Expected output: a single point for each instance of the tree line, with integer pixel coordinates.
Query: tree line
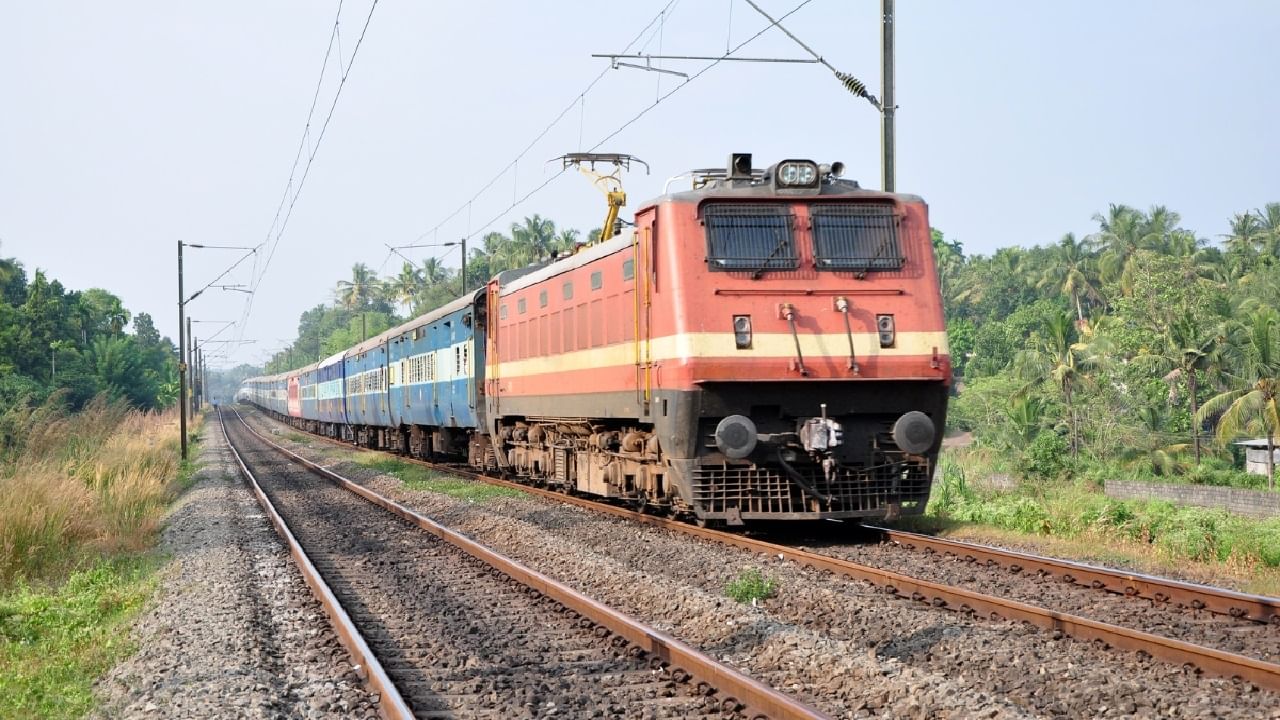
(366, 304)
(77, 343)
(1140, 347)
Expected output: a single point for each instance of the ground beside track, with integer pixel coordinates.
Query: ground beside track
(837, 644)
(234, 630)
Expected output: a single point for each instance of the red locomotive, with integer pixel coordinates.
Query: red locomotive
(767, 345)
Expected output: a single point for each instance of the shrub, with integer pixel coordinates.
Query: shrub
(1046, 457)
(751, 586)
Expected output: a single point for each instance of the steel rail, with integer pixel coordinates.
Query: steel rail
(740, 691)
(1208, 660)
(390, 704)
(1258, 608)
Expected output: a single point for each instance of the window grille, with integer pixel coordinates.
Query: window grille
(856, 237)
(750, 236)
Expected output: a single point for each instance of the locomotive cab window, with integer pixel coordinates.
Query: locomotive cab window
(750, 236)
(860, 237)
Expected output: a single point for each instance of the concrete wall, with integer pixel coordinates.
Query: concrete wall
(1255, 503)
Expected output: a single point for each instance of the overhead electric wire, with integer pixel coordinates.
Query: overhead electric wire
(635, 118)
(851, 83)
(222, 275)
(278, 225)
(577, 99)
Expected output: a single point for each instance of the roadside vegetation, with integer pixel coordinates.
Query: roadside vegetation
(79, 344)
(416, 477)
(83, 498)
(1139, 352)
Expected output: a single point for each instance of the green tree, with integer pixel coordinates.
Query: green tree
(1055, 359)
(1251, 406)
(1188, 350)
(405, 287)
(361, 291)
(1070, 271)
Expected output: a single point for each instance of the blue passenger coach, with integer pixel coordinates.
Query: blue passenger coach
(366, 389)
(434, 385)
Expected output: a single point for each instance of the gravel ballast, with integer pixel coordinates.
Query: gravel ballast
(233, 630)
(837, 644)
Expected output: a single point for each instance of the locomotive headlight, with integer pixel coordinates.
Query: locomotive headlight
(884, 325)
(742, 331)
(797, 173)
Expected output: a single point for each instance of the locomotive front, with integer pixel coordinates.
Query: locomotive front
(794, 344)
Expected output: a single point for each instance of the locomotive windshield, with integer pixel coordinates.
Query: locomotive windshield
(750, 236)
(861, 236)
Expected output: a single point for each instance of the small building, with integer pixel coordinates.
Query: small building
(1255, 455)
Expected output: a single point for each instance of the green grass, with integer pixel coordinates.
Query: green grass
(297, 437)
(54, 641)
(751, 586)
(1079, 509)
(416, 477)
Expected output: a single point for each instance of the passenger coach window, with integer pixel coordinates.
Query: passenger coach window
(855, 237)
(749, 236)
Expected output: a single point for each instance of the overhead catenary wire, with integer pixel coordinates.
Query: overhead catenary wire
(578, 100)
(851, 83)
(635, 118)
(280, 225)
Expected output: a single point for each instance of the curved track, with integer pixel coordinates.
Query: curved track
(1219, 646)
(462, 631)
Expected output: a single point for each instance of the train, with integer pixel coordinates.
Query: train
(766, 345)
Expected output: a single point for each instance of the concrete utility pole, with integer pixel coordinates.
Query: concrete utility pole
(464, 266)
(887, 141)
(191, 368)
(182, 361)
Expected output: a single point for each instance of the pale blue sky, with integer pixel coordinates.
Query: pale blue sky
(126, 126)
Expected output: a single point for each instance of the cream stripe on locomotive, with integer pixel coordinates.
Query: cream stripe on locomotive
(721, 345)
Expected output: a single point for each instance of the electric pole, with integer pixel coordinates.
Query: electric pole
(191, 368)
(464, 266)
(182, 361)
(887, 142)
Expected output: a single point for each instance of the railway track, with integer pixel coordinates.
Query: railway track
(1161, 594)
(444, 627)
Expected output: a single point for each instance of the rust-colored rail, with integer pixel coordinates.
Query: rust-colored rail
(1208, 660)
(739, 692)
(390, 704)
(1258, 608)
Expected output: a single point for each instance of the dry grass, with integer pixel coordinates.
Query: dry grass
(77, 487)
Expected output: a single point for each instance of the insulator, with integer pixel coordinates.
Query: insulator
(852, 84)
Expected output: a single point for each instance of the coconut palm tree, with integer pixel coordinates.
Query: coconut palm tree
(1188, 350)
(434, 272)
(535, 237)
(1269, 225)
(1056, 360)
(566, 243)
(1158, 227)
(404, 288)
(1122, 233)
(1251, 406)
(1069, 270)
(361, 291)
